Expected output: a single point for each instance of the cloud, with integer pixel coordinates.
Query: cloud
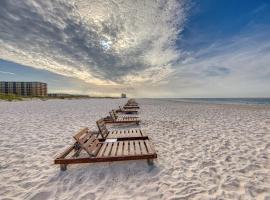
(10, 73)
(99, 42)
(235, 67)
(217, 71)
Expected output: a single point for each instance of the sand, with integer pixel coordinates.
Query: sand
(205, 151)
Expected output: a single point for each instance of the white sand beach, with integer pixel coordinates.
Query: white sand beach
(205, 151)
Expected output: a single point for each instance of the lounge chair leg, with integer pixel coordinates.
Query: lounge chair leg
(150, 161)
(63, 167)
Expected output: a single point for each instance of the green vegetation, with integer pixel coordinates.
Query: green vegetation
(10, 97)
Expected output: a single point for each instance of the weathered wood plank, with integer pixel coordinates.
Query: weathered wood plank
(143, 147)
(101, 151)
(126, 147)
(103, 159)
(89, 141)
(80, 133)
(108, 150)
(114, 149)
(142, 133)
(150, 150)
(66, 152)
(120, 149)
(93, 147)
(131, 148)
(98, 147)
(137, 147)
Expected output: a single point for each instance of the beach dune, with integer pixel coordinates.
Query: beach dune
(205, 151)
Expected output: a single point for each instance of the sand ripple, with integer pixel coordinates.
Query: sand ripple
(205, 152)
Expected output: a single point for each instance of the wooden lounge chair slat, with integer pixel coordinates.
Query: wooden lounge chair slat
(149, 147)
(96, 150)
(86, 140)
(141, 133)
(137, 147)
(108, 150)
(93, 146)
(143, 147)
(131, 148)
(126, 147)
(119, 134)
(102, 149)
(114, 149)
(90, 149)
(137, 133)
(81, 135)
(66, 152)
(90, 141)
(130, 133)
(111, 135)
(120, 149)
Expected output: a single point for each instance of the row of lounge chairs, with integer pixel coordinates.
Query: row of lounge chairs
(114, 118)
(107, 146)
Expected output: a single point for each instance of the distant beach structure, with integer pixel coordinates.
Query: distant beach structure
(24, 88)
(123, 95)
(59, 95)
(63, 95)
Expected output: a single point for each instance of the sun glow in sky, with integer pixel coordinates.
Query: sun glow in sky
(143, 48)
(106, 45)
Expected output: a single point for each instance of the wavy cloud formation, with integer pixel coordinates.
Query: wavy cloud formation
(99, 42)
(237, 67)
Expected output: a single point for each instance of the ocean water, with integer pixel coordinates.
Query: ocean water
(249, 101)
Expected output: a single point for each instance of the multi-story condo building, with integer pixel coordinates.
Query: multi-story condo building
(24, 88)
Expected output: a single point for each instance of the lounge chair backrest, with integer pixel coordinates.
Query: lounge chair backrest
(131, 104)
(102, 128)
(114, 114)
(131, 101)
(87, 140)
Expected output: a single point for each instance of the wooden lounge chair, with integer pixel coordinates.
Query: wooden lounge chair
(132, 102)
(105, 150)
(119, 114)
(128, 106)
(127, 111)
(123, 115)
(104, 133)
(115, 119)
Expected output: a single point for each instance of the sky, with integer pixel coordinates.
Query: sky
(150, 48)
